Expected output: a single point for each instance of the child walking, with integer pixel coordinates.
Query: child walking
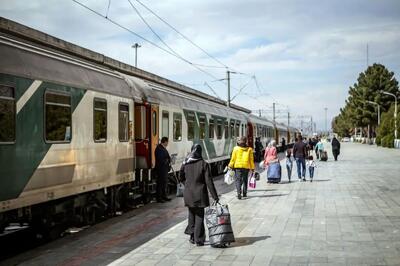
(311, 166)
(289, 163)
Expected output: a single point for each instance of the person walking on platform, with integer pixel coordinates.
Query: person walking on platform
(283, 143)
(335, 148)
(242, 161)
(271, 153)
(196, 174)
(258, 149)
(162, 167)
(320, 148)
(289, 163)
(300, 155)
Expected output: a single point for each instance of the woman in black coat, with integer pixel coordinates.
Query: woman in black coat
(335, 148)
(197, 176)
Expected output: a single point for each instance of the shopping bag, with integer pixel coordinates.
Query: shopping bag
(229, 177)
(180, 187)
(252, 180)
(261, 165)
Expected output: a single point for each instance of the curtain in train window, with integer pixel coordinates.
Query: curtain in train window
(58, 117)
(226, 130)
(100, 120)
(123, 125)
(202, 126)
(237, 129)
(232, 128)
(165, 124)
(211, 129)
(177, 127)
(190, 125)
(219, 129)
(7, 114)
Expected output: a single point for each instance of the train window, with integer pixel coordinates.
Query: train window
(154, 122)
(99, 120)
(237, 129)
(58, 117)
(219, 129)
(165, 124)
(226, 130)
(177, 127)
(140, 122)
(7, 114)
(242, 130)
(123, 122)
(211, 129)
(232, 129)
(202, 126)
(190, 125)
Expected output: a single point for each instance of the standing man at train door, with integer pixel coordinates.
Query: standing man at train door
(163, 165)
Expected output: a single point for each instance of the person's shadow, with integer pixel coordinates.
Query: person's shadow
(246, 241)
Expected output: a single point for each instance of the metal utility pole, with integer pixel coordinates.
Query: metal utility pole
(311, 126)
(288, 119)
(273, 109)
(379, 111)
(367, 56)
(395, 111)
(228, 78)
(136, 46)
(326, 120)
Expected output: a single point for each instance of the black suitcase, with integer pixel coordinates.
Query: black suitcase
(324, 156)
(219, 226)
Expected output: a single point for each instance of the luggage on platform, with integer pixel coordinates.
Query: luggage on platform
(324, 156)
(274, 173)
(219, 226)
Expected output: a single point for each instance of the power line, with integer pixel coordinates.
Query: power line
(143, 38)
(182, 35)
(161, 40)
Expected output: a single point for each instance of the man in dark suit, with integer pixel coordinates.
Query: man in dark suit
(162, 167)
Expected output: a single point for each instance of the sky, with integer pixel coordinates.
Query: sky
(304, 54)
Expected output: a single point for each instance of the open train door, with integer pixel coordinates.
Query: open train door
(250, 135)
(154, 133)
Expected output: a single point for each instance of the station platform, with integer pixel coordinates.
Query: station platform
(349, 215)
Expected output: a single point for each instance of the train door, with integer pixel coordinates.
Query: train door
(146, 134)
(154, 132)
(250, 135)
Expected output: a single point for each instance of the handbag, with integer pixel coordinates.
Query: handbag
(180, 187)
(252, 180)
(229, 177)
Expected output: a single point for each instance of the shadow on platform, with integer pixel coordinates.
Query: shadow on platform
(258, 190)
(265, 196)
(246, 241)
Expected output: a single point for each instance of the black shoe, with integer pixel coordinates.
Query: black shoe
(239, 196)
(311, 180)
(244, 195)
(304, 179)
(160, 200)
(166, 199)
(191, 240)
(199, 244)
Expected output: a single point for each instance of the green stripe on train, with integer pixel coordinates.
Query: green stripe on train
(19, 161)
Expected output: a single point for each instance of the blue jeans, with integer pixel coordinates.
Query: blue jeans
(289, 170)
(311, 170)
(301, 165)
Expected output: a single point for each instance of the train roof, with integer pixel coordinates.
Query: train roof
(90, 64)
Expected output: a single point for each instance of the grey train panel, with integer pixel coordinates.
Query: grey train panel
(27, 62)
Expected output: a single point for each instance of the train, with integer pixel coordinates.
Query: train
(78, 130)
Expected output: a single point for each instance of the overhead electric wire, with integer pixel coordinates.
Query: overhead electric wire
(182, 35)
(142, 38)
(161, 40)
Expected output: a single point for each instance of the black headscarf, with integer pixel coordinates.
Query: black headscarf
(194, 155)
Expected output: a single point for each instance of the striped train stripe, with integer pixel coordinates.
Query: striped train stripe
(28, 94)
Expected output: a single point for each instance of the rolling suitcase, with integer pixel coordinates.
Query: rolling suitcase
(324, 156)
(274, 173)
(219, 226)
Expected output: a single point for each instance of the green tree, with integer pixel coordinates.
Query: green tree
(385, 132)
(369, 84)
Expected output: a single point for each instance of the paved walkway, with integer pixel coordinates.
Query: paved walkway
(349, 215)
